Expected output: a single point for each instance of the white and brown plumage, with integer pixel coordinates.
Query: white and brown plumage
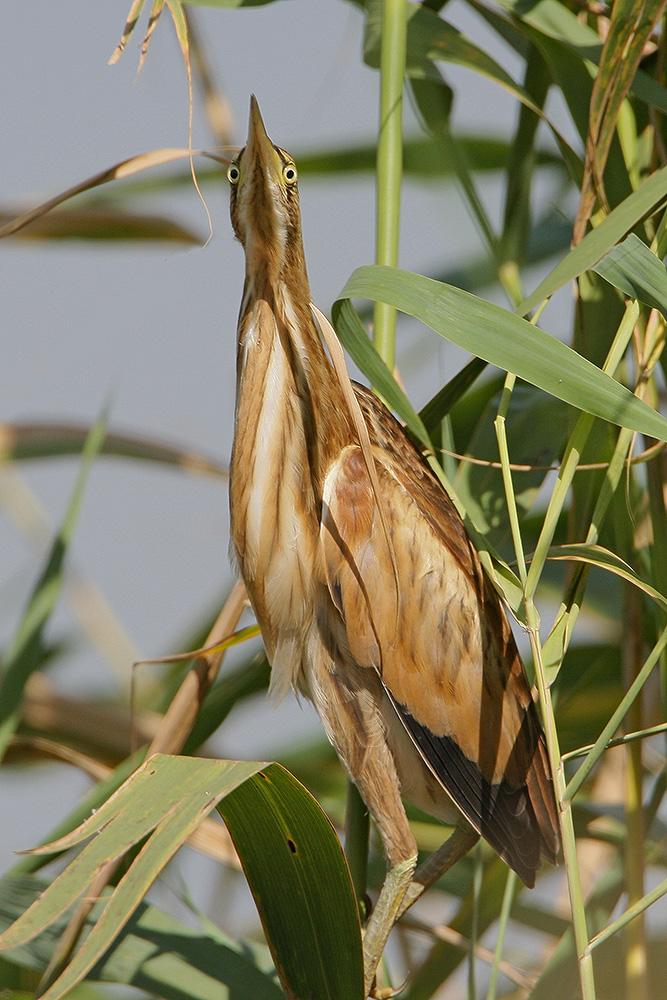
(423, 697)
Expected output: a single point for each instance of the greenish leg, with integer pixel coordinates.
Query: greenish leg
(385, 915)
(403, 886)
(461, 840)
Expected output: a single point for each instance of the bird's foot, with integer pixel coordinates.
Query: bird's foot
(384, 917)
(387, 992)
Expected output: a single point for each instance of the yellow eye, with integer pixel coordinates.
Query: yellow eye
(233, 173)
(289, 174)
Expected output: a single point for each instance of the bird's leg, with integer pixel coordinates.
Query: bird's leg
(460, 841)
(354, 724)
(403, 886)
(384, 801)
(385, 915)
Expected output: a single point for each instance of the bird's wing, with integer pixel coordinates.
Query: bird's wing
(443, 648)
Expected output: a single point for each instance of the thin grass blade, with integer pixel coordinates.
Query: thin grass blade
(126, 168)
(614, 722)
(597, 555)
(357, 343)
(25, 648)
(22, 441)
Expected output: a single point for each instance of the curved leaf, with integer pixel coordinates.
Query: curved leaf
(509, 342)
(646, 199)
(355, 340)
(104, 222)
(597, 555)
(289, 851)
(126, 168)
(294, 862)
(155, 952)
(160, 796)
(633, 268)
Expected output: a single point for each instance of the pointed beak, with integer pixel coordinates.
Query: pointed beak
(257, 214)
(259, 148)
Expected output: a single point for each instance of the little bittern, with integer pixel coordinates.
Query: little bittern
(407, 654)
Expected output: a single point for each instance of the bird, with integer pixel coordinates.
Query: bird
(370, 596)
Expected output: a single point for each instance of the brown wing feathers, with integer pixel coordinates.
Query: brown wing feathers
(457, 682)
(502, 814)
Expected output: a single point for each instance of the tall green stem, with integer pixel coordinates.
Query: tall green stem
(573, 452)
(390, 162)
(579, 923)
(635, 932)
(389, 172)
(356, 843)
(503, 449)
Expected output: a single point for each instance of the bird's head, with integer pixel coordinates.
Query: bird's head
(264, 202)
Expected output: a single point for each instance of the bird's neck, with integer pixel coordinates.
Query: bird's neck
(289, 423)
(281, 359)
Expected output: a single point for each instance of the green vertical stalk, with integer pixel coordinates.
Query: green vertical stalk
(577, 904)
(657, 477)
(570, 460)
(474, 929)
(389, 172)
(519, 170)
(572, 455)
(356, 844)
(503, 450)
(503, 920)
(567, 827)
(635, 932)
(389, 162)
